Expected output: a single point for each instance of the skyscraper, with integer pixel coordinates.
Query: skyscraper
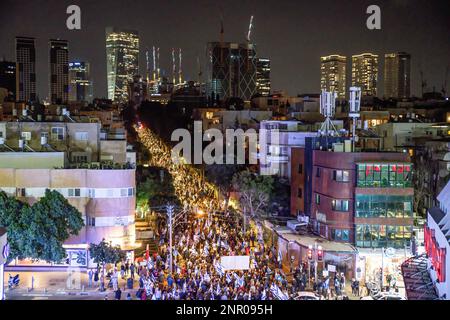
(397, 75)
(59, 71)
(26, 69)
(8, 77)
(333, 74)
(263, 76)
(80, 84)
(231, 70)
(365, 73)
(122, 54)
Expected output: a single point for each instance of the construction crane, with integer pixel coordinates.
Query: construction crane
(221, 39)
(147, 65)
(444, 85)
(173, 67)
(154, 64)
(199, 67)
(250, 27)
(159, 70)
(423, 82)
(180, 72)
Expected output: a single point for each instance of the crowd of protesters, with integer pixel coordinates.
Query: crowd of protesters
(198, 275)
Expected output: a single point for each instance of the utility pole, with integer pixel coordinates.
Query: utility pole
(382, 269)
(170, 217)
(245, 221)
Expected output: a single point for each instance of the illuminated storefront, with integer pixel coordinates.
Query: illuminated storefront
(384, 205)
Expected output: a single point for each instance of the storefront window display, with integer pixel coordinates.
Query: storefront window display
(373, 175)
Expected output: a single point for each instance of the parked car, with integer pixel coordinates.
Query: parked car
(297, 226)
(305, 295)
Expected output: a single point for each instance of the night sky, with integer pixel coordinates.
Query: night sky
(293, 34)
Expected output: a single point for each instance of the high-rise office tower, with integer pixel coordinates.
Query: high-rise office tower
(397, 75)
(59, 71)
(122, 53)
(25, 69)
(263, 76)
(333, 74)
(365, 73)
(231, 70)
(80, 83)
(8, 77)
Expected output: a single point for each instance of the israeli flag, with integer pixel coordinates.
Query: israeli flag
(229, 279)
(152, 277)
(238, 280)
(178, 270)
(224, 245)
(263, 296)
(219, 269)
(218, 288)
(276, 291)
(254, 264)
(280, 257)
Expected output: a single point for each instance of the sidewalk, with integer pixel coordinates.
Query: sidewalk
(58, 284)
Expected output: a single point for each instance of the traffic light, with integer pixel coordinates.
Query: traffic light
(310, 253)
(319, 253)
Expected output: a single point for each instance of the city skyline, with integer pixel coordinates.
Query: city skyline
(295, 56)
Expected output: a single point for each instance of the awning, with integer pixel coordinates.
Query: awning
(418, 283)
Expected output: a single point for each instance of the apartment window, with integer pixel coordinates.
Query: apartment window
(90, 221)
(123, 192)
(300, 168)
(58, 133)
(80, 159)
(74, 192)
(20, 192)
(26, 136)
(341, 175)
(318, 173)
(317, 198)
(340, 234)
(299, 192)
(81, 136)
(339, 205)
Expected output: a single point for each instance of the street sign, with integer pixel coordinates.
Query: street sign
(331, 268)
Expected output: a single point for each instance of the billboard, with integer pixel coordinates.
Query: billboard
(235, 262)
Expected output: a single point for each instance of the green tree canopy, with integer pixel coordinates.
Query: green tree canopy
(39, 231)
(104, 253)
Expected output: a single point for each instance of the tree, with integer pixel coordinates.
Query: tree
(104, 253)
(280, 197)
(155, 190)
(54, 221)
(12, 214)
(254, 191)
(39, 231)
(221, 175)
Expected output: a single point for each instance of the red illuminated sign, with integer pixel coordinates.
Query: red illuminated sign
(435, 253)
